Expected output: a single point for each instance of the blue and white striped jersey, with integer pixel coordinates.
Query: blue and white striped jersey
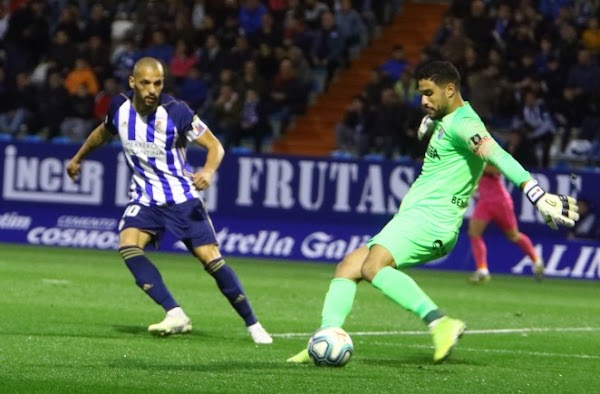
(154, 147)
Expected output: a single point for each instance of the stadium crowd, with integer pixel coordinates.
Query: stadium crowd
(529, 68)
(246, 66)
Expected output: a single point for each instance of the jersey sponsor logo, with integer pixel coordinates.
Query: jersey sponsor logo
(433, 153)
(139, 148)
(44, 179)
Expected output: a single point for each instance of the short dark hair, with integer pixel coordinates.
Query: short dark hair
(440, 72)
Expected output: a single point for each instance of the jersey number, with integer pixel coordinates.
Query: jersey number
(132, 210)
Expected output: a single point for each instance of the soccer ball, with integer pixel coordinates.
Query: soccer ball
(330, 346)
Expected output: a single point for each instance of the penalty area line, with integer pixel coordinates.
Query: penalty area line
(493, 331)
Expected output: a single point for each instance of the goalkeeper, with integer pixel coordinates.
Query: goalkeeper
(427, 224)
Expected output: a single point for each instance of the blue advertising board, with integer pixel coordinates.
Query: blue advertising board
(266, 206)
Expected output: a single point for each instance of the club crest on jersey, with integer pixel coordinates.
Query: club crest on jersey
(158, 126)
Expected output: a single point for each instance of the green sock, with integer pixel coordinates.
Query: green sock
(404, 291)
(338, 302)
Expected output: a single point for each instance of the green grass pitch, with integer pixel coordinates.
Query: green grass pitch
(73, 321)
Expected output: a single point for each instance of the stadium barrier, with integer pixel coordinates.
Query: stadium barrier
(267, 206)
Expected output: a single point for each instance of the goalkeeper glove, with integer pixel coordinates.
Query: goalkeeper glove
(555, 208)
(426, 127)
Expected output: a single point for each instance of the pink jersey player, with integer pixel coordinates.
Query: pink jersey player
(496, 205)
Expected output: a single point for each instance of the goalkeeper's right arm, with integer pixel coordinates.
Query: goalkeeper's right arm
(555, 209)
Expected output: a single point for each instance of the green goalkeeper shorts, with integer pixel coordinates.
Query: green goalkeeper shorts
(411, 240)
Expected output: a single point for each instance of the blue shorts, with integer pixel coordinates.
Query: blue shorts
(188, 221)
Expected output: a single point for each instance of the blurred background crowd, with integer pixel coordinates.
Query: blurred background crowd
(248, 67)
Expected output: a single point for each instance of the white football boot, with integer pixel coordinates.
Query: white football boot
(259, 335)
(171, 325)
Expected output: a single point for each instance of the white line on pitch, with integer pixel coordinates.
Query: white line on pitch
(502, 351)
(492, 331)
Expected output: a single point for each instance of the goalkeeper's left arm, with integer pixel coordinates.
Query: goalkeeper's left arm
(556, 209)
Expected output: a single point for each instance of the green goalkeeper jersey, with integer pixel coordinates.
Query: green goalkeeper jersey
(458, 150)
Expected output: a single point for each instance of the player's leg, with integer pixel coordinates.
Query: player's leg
(340, 296)
(508, 224)
(403, 243)
(132, 242)
(477, 226)
(191, 223)
(476, 229)
(231, 287)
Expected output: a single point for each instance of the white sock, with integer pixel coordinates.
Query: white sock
(483, 271)
(176, 312)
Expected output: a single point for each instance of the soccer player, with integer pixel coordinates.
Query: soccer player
(496, 205)
(427, 224)
(154, 129)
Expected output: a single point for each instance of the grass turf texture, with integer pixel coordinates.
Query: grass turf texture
(73, 321)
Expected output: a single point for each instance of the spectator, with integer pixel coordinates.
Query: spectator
(479, 27)
(268, 32)
(396, 65)
(520, 148)
(590, 37)
(228, 32)
(391, 125)
(124, 61)
(26, 37)
(266, 62)
(213, 58)
(82, 74)
(103, 98)
(239, 54)
(80, 119)
(98, 24)
(349, 130)
(253, 121)
(584, 76)
(193, 88)
(313, 13)
(351, 27)
(225, 113)
(377, 83)
(250, 16)
(159, 47)
(251, 80)
(407, 90)
(68, 22)
(540, 125)
(297, 33)
(454, 47)
(288, 95)
(63, 51)
(569, 112)
(328, 46)
(485, 89)
(98, 55)
(183, 60)
(198, 13)
(18, 109)
(502, 24)
(53, 105)
(300, 64)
